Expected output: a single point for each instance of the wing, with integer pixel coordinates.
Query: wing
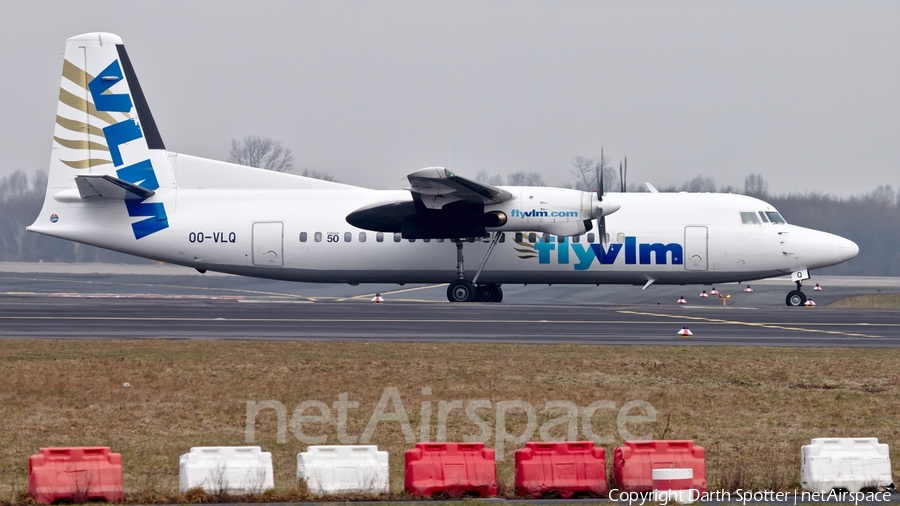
(443, 205)
(435, 187)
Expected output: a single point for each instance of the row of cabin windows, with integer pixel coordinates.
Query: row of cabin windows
(379, 237)
(749, 217)
(520, 237)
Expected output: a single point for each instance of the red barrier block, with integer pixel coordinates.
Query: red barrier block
(451, 469)
(75, 475)
(633, 464)
(561, 469)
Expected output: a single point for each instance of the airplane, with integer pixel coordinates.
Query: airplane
(113, 184)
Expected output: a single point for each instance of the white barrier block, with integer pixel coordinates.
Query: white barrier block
(227, 469)
(673, 485)
(848, 463)
(344, 469)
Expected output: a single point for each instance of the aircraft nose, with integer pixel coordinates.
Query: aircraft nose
(847, 248)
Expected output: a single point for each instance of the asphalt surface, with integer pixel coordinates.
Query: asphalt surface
(180, 305)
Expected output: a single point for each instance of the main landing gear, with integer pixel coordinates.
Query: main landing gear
(463, 290)
(796, 297)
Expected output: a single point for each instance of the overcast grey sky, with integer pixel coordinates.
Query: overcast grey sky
(808, 93)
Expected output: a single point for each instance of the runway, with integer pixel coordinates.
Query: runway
(181, 305)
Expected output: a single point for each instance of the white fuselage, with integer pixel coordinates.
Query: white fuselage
(302, 235)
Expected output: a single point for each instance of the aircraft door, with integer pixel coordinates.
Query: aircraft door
(696, 248)
(268, 239)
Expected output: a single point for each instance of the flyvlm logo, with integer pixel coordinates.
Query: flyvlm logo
(534, 213)
(585, 254)
(140, 173)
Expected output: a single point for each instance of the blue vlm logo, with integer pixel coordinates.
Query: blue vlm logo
(140, 173)
(585, 254)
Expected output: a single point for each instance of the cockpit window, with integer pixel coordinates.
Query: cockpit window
(763, 216)
(774, 217)
(749, 218)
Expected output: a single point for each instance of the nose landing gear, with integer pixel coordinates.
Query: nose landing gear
(796, 297)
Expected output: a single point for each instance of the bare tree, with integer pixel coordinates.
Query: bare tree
(587, 173)
(484, 176)
(315, 174)
(884, 195)
(262, 152)
(756, 185)
(699, 184)
(583, 170)
(522, 178)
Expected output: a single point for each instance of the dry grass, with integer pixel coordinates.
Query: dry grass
(874, 300)
(752, 408)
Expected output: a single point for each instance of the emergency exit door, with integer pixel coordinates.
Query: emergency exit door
(268, 240)
(696, 248)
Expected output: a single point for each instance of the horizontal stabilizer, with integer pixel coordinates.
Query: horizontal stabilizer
(110, 187)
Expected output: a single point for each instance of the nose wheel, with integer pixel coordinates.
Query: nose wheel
(796, 297)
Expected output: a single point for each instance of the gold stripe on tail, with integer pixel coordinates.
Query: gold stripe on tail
(67, 143)
(85, 164)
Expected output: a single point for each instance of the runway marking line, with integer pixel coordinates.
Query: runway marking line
(752, 324)
(163, 285)
(391, 292)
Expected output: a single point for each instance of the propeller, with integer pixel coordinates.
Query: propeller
(601, 221)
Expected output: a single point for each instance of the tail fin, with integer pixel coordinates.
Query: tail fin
(104, 128)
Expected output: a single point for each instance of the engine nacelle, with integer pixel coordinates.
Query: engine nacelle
(558, 211)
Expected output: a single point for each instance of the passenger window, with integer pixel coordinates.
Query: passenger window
(518, 237)
(303, 236)
(362, 237)
(440, 240)
(590, 238)
(576, 239)
(532, 237)
(348, 236)
(763, 216)
(411, 240)
(749, 218)
(318, 237)
(545, 237)
(471, 239)
(620, 238)
(398, 236)
(560, 238)
(426, 240)
(774, 217)
(379, 237)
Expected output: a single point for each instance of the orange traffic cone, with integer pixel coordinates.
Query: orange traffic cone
(748, 289)
(809, 303)
(714, 291)
(703, 294)
(681, 300)
(378, 299)
(685, 332)
(817, 288)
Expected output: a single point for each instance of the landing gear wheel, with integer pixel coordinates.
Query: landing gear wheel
(461, 291)
(490, 293)
(795, 298)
